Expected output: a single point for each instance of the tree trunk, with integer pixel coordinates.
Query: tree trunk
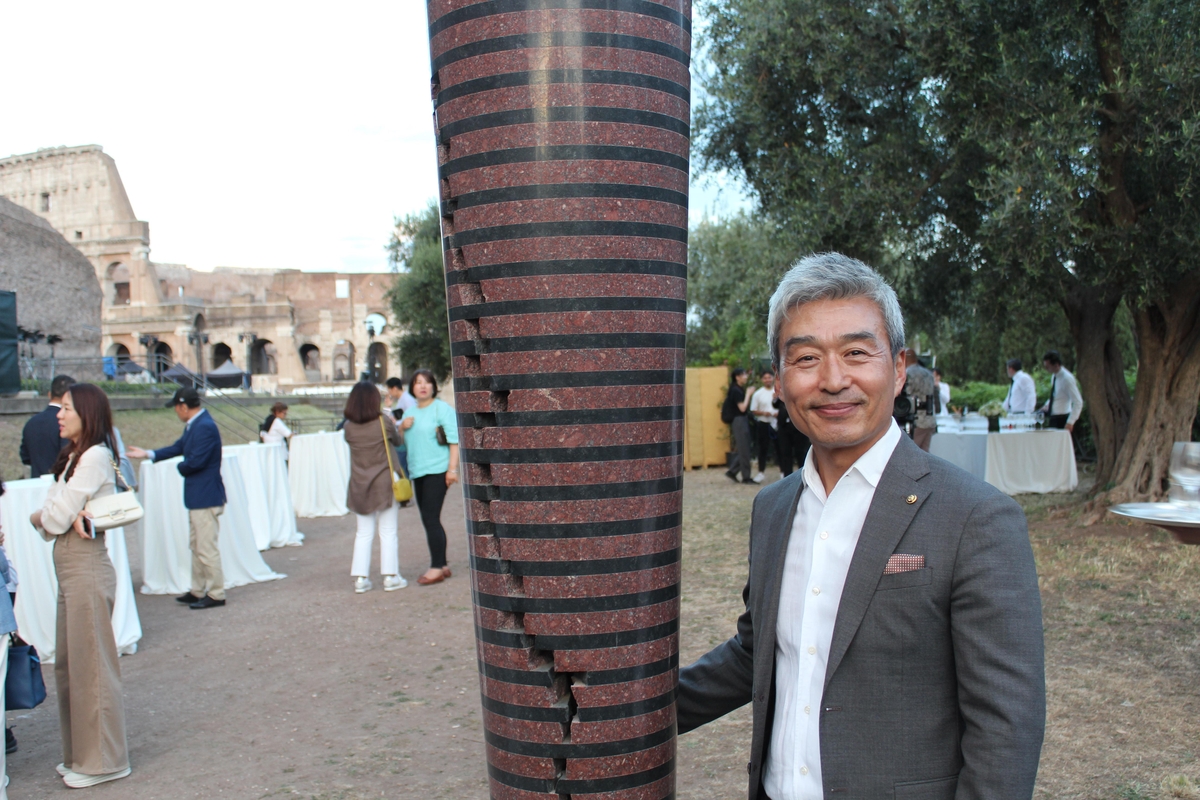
(1168, 386)
(1100, 371)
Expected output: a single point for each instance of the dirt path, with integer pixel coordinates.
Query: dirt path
(300, 688)
(296, 688)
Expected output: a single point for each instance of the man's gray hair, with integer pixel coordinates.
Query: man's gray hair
(833, 276)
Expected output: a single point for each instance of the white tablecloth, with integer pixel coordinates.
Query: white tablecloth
(167, 561)
(37, 596)
(319, 474)
(1036, 462)
(264, 471)
(965, 450)
(1033, 462)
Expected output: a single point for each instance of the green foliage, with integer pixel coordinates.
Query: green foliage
(110, 388)
(975, 394)
(733, 266)
(418, 292)
(990, 157)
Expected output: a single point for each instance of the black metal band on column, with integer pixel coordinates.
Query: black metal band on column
(563, 151)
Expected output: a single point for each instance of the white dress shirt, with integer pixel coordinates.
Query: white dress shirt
(760, 403)
(1067, 399)
(822, 542)
(1022, 394)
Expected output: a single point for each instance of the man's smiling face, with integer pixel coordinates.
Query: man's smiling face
(837, 375)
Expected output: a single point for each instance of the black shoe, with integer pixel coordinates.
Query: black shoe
(750, 481)
(187, 598)
(206, 602)
(10, 742)
(732, 476)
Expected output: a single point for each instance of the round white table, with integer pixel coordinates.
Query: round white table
(319, 473)
(167, 559)
(269, 493)
(37, 594)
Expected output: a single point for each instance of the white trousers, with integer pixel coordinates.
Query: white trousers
(389, 545)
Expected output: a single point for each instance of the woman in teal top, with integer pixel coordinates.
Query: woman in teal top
(433, 467)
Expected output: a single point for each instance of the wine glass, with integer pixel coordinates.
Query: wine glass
(1185, 475)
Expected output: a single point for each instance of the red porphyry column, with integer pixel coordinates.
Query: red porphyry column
(563, 152)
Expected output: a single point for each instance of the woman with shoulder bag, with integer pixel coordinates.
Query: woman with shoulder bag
(91, 710)
(431, 435)
(369, 494)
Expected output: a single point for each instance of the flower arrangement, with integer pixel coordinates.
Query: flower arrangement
(992, 408)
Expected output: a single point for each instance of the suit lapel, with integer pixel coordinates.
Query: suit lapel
(776, 549)
(887, 521)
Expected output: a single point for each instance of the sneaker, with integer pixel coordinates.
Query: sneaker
(759, 478)
(78, 780)
(393, 582)
(362, 585)
(62, 770)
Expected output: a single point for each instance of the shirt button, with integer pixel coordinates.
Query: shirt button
(824, 534)
(804, 770)
(807, 710)
(812, 651)
(816, 590)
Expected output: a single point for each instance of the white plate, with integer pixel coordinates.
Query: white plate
(1162, 513)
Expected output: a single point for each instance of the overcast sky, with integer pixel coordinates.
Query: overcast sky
(247, 134)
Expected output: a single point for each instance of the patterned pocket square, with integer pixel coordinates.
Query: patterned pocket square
(899, 562)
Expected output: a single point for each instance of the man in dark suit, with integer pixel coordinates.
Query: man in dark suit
(40, 442)
(892, 640)
(203, 495)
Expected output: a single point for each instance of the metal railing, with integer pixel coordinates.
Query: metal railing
(153, 375)
(159, 376)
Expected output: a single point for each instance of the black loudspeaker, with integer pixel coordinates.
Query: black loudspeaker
(10, 372)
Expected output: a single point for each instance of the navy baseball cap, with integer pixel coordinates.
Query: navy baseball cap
(185, 395)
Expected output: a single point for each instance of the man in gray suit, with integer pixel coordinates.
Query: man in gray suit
(892, 639)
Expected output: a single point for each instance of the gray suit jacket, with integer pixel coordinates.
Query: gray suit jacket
(935, 685)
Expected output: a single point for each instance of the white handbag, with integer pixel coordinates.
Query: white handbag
(117, 509)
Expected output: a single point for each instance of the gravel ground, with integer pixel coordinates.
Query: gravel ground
(297, 687)
(300, 688)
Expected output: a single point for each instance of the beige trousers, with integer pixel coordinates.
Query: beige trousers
(207, 575)
(91, 711)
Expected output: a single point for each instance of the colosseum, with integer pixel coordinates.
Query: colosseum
(286, 328)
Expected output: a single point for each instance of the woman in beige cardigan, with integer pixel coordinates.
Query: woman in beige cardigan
(369, 494)
(91, 710)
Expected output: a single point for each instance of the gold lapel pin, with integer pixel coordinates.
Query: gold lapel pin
(912, 498)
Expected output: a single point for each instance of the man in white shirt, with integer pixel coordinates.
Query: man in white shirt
(399, 400)
(1022, 394)
(939, 380)
(891, 644)
(1065, 403)
(765, 421)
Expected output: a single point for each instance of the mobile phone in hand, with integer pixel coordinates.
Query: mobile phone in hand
(89, 527)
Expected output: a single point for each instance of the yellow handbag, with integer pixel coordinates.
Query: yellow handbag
(401, 485)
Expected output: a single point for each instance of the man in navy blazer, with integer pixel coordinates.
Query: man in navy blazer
(203, 495)
(40, 442)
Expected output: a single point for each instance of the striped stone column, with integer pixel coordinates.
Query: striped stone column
(562, 132)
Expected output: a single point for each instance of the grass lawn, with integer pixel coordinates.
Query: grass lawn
(1122, 620)
(157, 428)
